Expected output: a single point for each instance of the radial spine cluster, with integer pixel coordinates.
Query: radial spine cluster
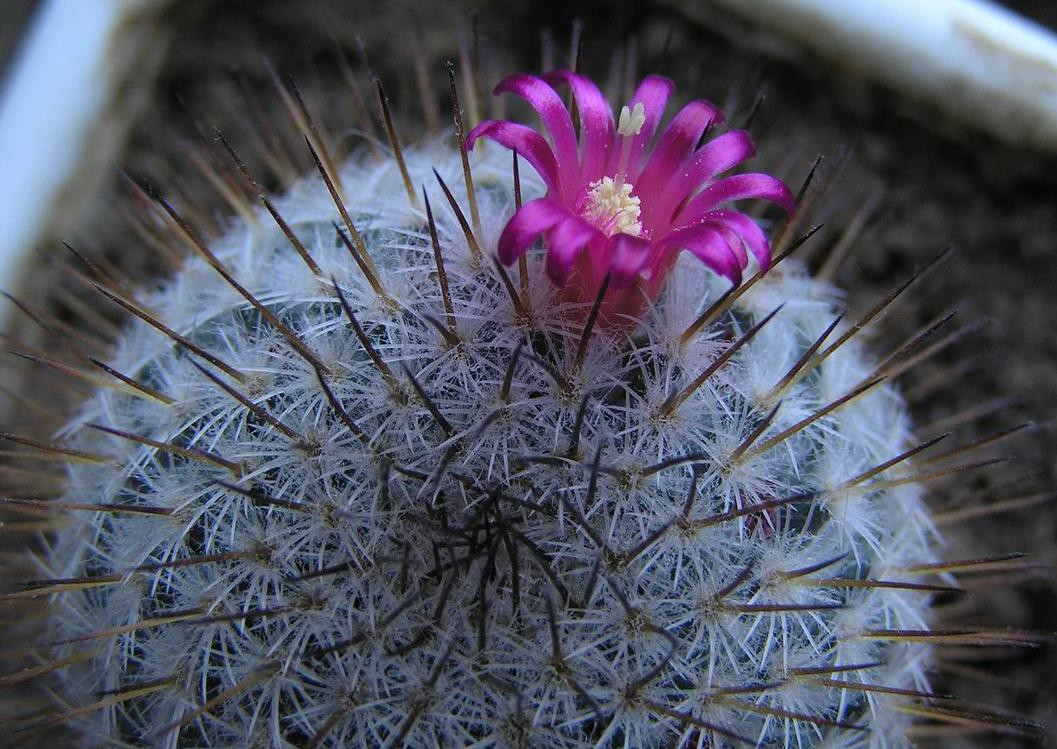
(398, 502)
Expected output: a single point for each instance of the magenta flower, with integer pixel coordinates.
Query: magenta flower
(617, 206)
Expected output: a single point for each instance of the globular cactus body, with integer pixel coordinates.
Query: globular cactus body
(426, 511)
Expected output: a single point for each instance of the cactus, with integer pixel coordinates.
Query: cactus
(357, 484)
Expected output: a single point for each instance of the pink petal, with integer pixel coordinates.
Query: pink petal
(710, 247)
(735, 187)
(527, 223)
(747, 231)
(565, 242)
(551, 109)
(715, 157)
(653, 94)
(718, 155)
(628, 256)
(525, 142)
(734, 242)
(596, 122)
(679, 139)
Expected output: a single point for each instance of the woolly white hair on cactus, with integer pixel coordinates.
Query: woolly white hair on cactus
(368, 488)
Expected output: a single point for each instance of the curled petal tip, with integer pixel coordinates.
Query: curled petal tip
(661, 80)
(480, 129)
(527, 224)
(516, 82)
(504, 85)
(786, 200)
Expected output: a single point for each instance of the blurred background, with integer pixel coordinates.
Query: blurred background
(909, 175)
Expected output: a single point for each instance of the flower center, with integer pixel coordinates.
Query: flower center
(611, 207)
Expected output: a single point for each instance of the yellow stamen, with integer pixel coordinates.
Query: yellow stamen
(612, 208)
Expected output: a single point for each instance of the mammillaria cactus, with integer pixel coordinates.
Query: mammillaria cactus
(355, 483)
